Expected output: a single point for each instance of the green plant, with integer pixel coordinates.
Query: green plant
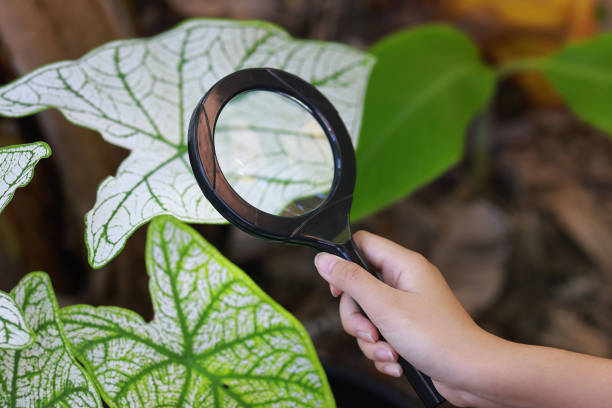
(216, 337)
(139, 94)
(215, 334)
(427, 85)
(43, 372)
(14, 332)
(17, 167)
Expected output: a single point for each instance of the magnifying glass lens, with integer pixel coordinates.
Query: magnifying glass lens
(274, 153)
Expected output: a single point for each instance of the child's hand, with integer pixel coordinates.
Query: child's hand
(421, 320)
(414, 309)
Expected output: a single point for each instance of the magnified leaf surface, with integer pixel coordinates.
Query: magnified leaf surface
(43, 374)
(216, 339)
(17, 167)
(139, 94)
(14, 333)
(272, 151)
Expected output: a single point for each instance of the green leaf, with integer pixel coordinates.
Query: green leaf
(425, 87)
(14, 332)
(139, 94)
(17, 167)
(216, 339)
(43, 374)
(582, 73)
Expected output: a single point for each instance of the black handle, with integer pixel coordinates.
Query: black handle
(421, 383)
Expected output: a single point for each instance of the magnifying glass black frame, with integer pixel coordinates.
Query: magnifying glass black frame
(326, 227)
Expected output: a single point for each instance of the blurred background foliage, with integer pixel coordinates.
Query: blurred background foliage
(521, 226)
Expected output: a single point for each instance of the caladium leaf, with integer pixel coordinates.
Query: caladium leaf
(14, 333)
(139, 95)
(216, 339)
(17, 167)
(272, 151)
(44, 374)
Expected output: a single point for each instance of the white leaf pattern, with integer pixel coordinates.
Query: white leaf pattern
(17, 167)
(139, 95)
(14, 333)
(44, 374)
(216, 340)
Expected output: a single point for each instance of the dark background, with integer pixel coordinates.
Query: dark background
(521, 227)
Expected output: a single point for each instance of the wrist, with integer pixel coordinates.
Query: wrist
(499, 375)
(479, 373)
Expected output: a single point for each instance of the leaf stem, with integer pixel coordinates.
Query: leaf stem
(519, 65)
(482, 148)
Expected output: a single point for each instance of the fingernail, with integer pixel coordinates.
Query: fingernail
(383, 355)
(365, 336)
(325, 262)
(392, 370)
(334, 291)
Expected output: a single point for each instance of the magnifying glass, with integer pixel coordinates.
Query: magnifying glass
(273, 156)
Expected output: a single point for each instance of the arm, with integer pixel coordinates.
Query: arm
(422, 320)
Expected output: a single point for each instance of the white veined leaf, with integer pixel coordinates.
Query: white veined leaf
(44, 374)
(17, 167)
(216, 340)
(139, 94)
(272, 151)
(14, 332)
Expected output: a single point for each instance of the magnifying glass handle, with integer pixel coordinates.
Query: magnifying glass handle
(421, 383)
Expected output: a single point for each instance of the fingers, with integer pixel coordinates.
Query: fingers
(357, 325)
(392, 369)
(380, 351)
(383, 355)
(372, 294)
(401, 268)
(354, 322)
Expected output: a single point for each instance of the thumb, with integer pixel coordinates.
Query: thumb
(370, 293)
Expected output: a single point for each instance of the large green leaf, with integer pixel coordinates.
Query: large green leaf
(582, 73)
(17, 167)
(43, 374)
(216, 339)
(425, 87)
(14, 332)
(139, 95)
